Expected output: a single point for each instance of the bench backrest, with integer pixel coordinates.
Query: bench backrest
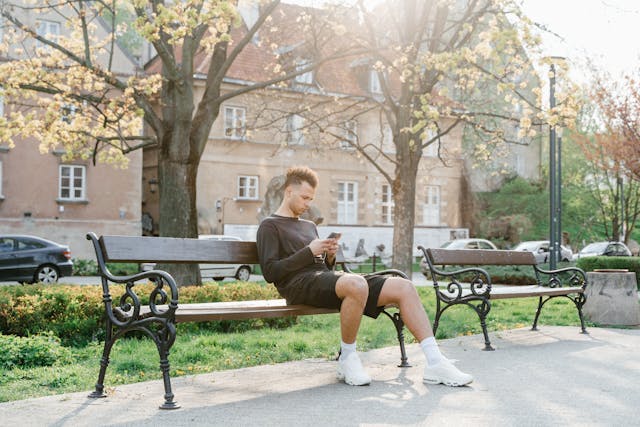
(480, 257)
(173, 250)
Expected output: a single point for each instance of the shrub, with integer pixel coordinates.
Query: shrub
(75, 314)
(89, 267)
(37, 350)
(84, 267)
(611, 262)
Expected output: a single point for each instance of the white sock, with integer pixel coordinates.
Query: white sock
(346, 349)
(431, 350)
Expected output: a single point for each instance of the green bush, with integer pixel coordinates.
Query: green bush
(89, 267)
(611, 262)
(75, 314)
(36, 350)
(84, 267)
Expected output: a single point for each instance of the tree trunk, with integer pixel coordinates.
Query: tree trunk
(404, 196)
(179, 217)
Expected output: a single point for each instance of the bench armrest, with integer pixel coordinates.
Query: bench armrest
(569, 276)
(478, 279)
(128, 306)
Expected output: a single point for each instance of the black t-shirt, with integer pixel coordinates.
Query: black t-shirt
(283, 249)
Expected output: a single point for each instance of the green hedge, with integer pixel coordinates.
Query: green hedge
(89, 267)
(611, 262)
(37, 350)
(75, 314)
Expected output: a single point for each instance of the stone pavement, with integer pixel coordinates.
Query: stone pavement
(555, 376)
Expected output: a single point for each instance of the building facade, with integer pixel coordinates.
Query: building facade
(60, 200)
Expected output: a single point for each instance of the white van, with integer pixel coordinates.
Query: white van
(220, 271)
(216, 271)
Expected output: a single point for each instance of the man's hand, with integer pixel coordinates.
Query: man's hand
(321, 246)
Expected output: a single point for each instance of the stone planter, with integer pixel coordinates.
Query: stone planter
(612, 298)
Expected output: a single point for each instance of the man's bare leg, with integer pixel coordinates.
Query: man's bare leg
(439, 369)
(353, 290)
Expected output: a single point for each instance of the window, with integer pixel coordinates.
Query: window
(387, 204)
(304, 78)
(1, 106)
(72, 182)
(248, 187)
(347, 202)
(234, 122)
(350, 130)
(1, 194)
(431, 150)
(49, 30)
(295, 124)
(68, 112)
(374, 82)
(431, 207)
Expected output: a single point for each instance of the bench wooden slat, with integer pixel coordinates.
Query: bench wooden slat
(238, 310)
(531, 291)
(177, 250)
(522, 291)
(480, 257)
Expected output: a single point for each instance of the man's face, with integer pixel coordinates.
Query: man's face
(299, 197)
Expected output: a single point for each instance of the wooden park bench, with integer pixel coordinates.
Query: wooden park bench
(158, 319)
(472, 286)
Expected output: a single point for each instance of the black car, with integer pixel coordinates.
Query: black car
(29, 259)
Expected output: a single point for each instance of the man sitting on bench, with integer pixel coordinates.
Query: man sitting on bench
(299, 263)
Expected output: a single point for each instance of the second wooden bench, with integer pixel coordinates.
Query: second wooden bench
(472, 286)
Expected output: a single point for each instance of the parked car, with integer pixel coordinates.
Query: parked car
(460, 244)
(468, 244)
(29, 259)
(540, 249)
(603, 249)
(217, 271)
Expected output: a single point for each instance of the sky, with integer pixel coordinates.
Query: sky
(606, 31)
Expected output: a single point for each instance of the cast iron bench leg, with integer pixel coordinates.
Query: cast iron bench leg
(399, 325)
(104, 362)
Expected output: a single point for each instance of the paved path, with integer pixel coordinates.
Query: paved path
(554, 377)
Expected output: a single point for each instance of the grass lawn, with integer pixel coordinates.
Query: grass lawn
(200, 350)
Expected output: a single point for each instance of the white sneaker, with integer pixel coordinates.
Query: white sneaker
(351, 371)
(447, 374)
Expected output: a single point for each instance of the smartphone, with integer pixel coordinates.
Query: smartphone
(334, 235)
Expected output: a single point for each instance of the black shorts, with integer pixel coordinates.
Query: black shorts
(318, 289)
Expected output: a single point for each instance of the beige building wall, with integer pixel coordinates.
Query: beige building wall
(31, 204)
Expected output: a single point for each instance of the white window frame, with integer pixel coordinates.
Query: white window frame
(375, 86)
(430, 150)
(295, 124)
(235, 124)
(76, 191)
(387, 204)
(248, 187)
(431, 206)
(1, 106)
(350, 132)
(347, 200)
(45, 29)
(304, 78)
(1, 193)
(68, 112)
